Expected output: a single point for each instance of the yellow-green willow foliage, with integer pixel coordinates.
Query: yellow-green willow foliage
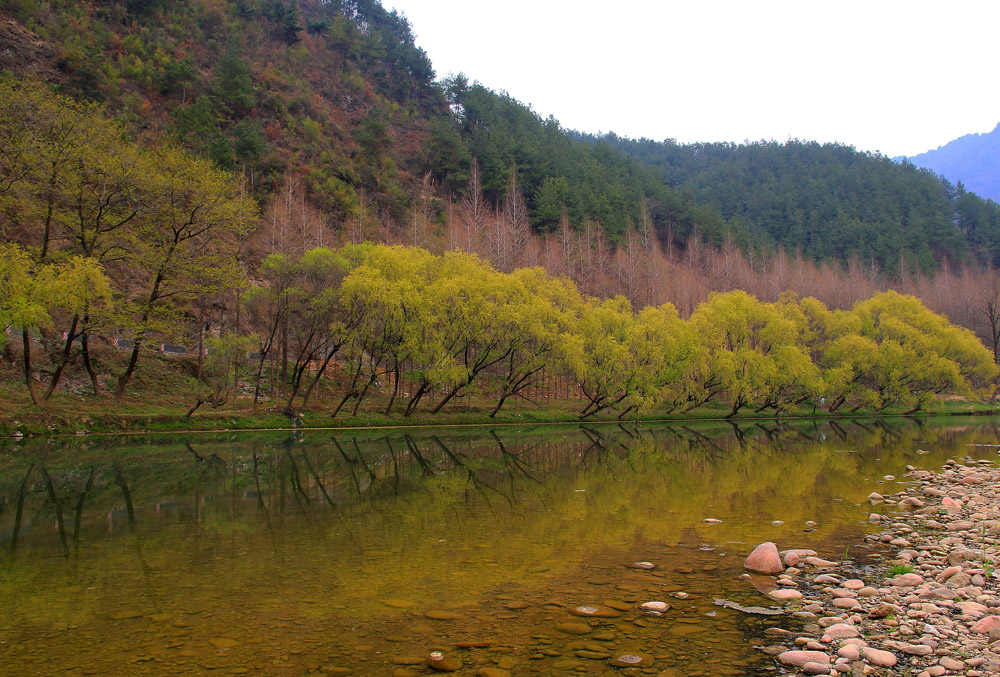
(31, 293)
(162, 222)
(445, 323)
(753, 351)
(890, 349)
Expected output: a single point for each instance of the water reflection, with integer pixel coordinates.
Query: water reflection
(365, 551)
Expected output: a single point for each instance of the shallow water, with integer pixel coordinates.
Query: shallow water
(334, 551)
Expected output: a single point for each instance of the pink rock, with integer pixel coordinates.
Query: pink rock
(853, 584)
(984, 626)
(849, 651)
(846, 603)
(883, 659)
(815, 669)
(764, 559)
(948, 573)
(791, 559)
(819, 562)
(841, 631)
(800, 658)
(784, 595)
(948, 500)
(907, 580)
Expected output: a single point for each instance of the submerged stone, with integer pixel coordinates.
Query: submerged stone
(594, 611)
(442, 663)
(631, 660)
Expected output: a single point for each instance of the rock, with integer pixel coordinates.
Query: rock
(800, 658)
(986, 625)
(907, 580)
(791, 559)
(841, 631)
(442, 663)
(711, 520)
(764, 559)
(647, 566)
(595, 611)
(785, 595)
(819, 562)
(851, 652)
(883, 611)
(950, 664)
(222, 643)
(573, 628)
(492, 672)
(878, 657)
(631, 660)
(875, 497)
(655, 606)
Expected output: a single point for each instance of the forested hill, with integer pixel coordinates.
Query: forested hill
(331, 104)
(331, 99)
(829, 200)
(973, 160)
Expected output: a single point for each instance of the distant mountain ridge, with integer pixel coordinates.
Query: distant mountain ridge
(973, 160)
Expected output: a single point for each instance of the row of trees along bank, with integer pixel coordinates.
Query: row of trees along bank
(380, 316)
(445, 322)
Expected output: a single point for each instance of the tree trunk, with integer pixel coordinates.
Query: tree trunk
(395, 388)
(26, 347)
(85, 352)
(63, 359)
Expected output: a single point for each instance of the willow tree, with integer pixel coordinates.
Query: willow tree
(755, 352)
(538, 328)
(184, 241)
(890, 349)
(30, 293)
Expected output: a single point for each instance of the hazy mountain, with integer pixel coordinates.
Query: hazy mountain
(973, 159)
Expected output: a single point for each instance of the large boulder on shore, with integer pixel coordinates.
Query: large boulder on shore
(765, 559)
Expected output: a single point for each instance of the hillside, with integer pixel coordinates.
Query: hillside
(331, 101)
(330, 114)
(829, 201)
(972, 160)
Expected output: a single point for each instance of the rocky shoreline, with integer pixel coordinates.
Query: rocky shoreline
(933, 610)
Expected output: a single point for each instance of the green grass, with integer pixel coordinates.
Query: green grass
(161, 396)
(899, 569)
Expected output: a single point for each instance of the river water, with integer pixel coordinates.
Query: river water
(349, 552)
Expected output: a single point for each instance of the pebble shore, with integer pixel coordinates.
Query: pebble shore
(931, 609)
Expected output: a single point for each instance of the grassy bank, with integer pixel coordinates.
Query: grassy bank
(161, 409)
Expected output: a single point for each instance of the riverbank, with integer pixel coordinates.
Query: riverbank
(164, 410)
(933, 607)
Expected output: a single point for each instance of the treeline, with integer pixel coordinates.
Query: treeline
(829, 201)
(451, 323)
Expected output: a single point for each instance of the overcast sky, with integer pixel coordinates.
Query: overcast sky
(881, 75)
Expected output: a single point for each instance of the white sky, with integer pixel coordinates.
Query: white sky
(886, 75)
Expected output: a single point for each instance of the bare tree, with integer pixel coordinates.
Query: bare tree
(475, 211)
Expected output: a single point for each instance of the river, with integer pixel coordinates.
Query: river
(361, 552)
